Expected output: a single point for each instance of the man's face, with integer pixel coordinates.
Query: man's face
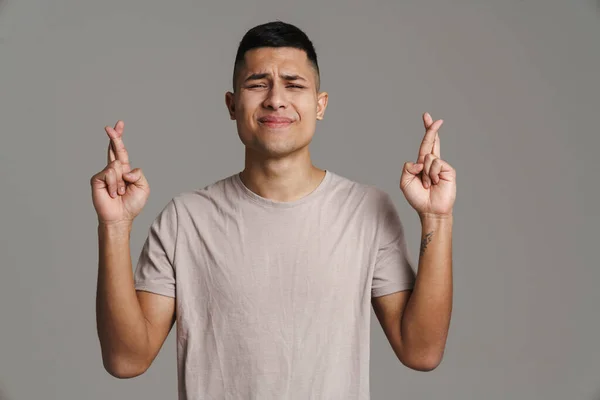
(276, 103)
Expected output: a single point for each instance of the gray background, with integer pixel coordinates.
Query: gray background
(517, 83)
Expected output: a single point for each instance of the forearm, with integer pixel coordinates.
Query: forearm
(426, 319)
(120, 322)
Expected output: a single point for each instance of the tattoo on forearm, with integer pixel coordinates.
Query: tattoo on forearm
(425, 241)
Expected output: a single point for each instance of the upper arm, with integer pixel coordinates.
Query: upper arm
(393, 275)
(154, 279)
(389, 309)
(159, 313)
(393, 270)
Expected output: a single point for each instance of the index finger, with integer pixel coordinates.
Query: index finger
(428, 143)
(111, 153)
(427, 121)
(118, 147)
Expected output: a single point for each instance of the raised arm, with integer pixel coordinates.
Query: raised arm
(132, 326)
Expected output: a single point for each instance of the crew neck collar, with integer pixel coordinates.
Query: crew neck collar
(281, 204)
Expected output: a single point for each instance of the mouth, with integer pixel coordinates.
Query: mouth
(275, 122)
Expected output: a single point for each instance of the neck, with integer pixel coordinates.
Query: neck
(285, 179)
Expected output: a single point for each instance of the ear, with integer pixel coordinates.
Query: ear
(230, 103)
(322, 99)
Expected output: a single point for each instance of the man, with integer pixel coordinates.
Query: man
(270, 273)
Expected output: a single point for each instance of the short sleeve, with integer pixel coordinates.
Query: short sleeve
(393, 270)
(155, 271)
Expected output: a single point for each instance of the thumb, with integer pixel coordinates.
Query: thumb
(413, 168)
(136, 176)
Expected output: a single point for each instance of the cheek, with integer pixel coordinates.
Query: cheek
(307, 108)
(308, 121)
(247, 102)
(245, 114)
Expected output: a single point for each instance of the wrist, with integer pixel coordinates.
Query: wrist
(115, 227)
(430, 217)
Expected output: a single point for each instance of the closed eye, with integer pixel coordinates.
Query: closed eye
(264, 86)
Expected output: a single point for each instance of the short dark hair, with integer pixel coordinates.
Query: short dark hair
(275, 34)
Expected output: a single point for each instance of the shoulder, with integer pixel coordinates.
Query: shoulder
(352, 192)
(205, 199)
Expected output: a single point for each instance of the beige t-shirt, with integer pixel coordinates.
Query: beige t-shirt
(273, 299)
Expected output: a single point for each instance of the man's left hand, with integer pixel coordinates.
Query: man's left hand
(429, 185)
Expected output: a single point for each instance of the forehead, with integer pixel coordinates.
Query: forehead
(284, 59)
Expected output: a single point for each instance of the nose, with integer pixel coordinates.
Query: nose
(275, 98)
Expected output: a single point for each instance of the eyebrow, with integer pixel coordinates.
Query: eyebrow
(287, 77)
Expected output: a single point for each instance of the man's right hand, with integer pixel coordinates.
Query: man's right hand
(118, 192)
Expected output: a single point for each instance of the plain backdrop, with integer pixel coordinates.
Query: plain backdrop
(517, 83)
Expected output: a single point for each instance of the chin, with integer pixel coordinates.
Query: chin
(266, 142)
(273, 151)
